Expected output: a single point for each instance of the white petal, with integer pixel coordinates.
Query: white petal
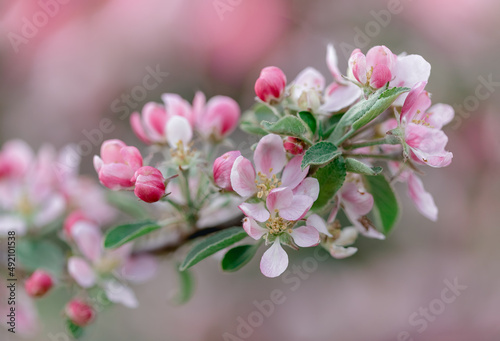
(178, 129)
(318, 223)
(253, 229)
(81, 272)
(119, 293)
(348, 236)
(243, 177)
(340, 252)
(256, 211)
(274, 261)
(88, 238)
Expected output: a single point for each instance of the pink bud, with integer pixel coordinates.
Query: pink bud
(222, 169)
(220, 117)
(39, 283)
(117, 164)
(79, 312)
(149, 184)
(293, 145)
(375, 69)
(271, 84)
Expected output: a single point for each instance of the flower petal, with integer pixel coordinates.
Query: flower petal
(179, 130)
(440, 115)
(255, 211)
(278, 199)
(332, 62)
(274, 261)
(319, 224)
(253, 229)
(348, 236)
(293, 174)
(88, 238)
(81, 272)
(340, 252)
(119, 293)
(139, 269)
(305, 236)
(297, 209)
(410, 70)
(308, 186)
(423, 200)
(136, 124)
(270, 155)
(243, 177)
(356, 203)
(340, 96)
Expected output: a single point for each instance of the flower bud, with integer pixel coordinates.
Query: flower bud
(375, 69)
(293, 145)
(219, 118)
(39, 283)
(222, 169)
(117, 164)
(79, 312)
(271, 84)
(149, 184)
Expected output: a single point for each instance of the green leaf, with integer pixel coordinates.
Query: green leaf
(123, 234)
(75, 331)
(263, 112)
(252, 128)
(385, 203)
(212, 244)
(44, 254)
(355, 166)
(330, 178)
(319, 154)
(309, 120)
(286, 126)
(186, 287)
(364, 112)
(126, 204)
(329, 126)
(238, 257)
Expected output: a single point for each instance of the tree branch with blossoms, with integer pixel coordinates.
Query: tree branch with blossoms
(322, 174)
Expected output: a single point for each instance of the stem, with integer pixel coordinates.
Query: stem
(385, 140)
(374, 156)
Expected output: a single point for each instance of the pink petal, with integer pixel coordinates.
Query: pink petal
(318, 223)
(423, 200)
(253, 229)
(298, 208)
(132, 157)
(116, 176)
(335, 209)
(381, 76)
(110, 151)
(255, 211)
(178, 106)
(305, 236)
(179, 130)
(380, 56)
(308, 186)
(409, 71)
(293, 174)
(221, 116)
(98, 163)
(416, 99)
(274, 261)
(279, 198)
(199, 102)
(270, 155)
(81, 272)
(440, 115)
(139, 269)
(88, 238)
(332, 62)
(428, 145)
(243, 177)
(155, 118)
(356, 203)
(310, 78)
(136, 124)
(340, 96)
(357, 65)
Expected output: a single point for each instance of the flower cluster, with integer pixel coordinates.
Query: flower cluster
(322, 174)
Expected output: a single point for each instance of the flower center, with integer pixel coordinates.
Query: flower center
(265, 185)
(278, 225)
(182, 154)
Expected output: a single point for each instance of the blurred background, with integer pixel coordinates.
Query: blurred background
(61, 73)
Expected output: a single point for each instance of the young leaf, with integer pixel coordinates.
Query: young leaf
(123, 234)
(330, 178)
(319, 154)
(212, 244)
(287, 126)
(309, 120)
(45, 254)
(355, 166)
(385, 203)
(186, 287)
(238, 257)
(252, 128)
(75, 331)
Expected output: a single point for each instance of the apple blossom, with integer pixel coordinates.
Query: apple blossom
(79, 312)
(39, 283)
(218, 118)
(149, 184)
(222, 169)
(270, 86)
(375, 69)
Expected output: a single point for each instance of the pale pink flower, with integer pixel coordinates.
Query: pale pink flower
(306, 90)
(149, 184)
(375, 69)
(356, 204)
(222, 169)
(217, 118)
(150, 126)
(79, 312)
(117, 164)
(39, 283)
(271, 84)
(340, 93)
(410, 70)
(275, 221)
(422, 128)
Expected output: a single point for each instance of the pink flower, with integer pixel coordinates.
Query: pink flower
(149, 184)
(270, 160)
(79, 312)
(270, 86)
(356, 204)
(150, 128)
(340, 93)
(422, 128)
(276, 220)
(222, 169)
(39, 283)
(375, 69)
(117, 164)
(15, 159)
(218, 118)
(410, 70)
